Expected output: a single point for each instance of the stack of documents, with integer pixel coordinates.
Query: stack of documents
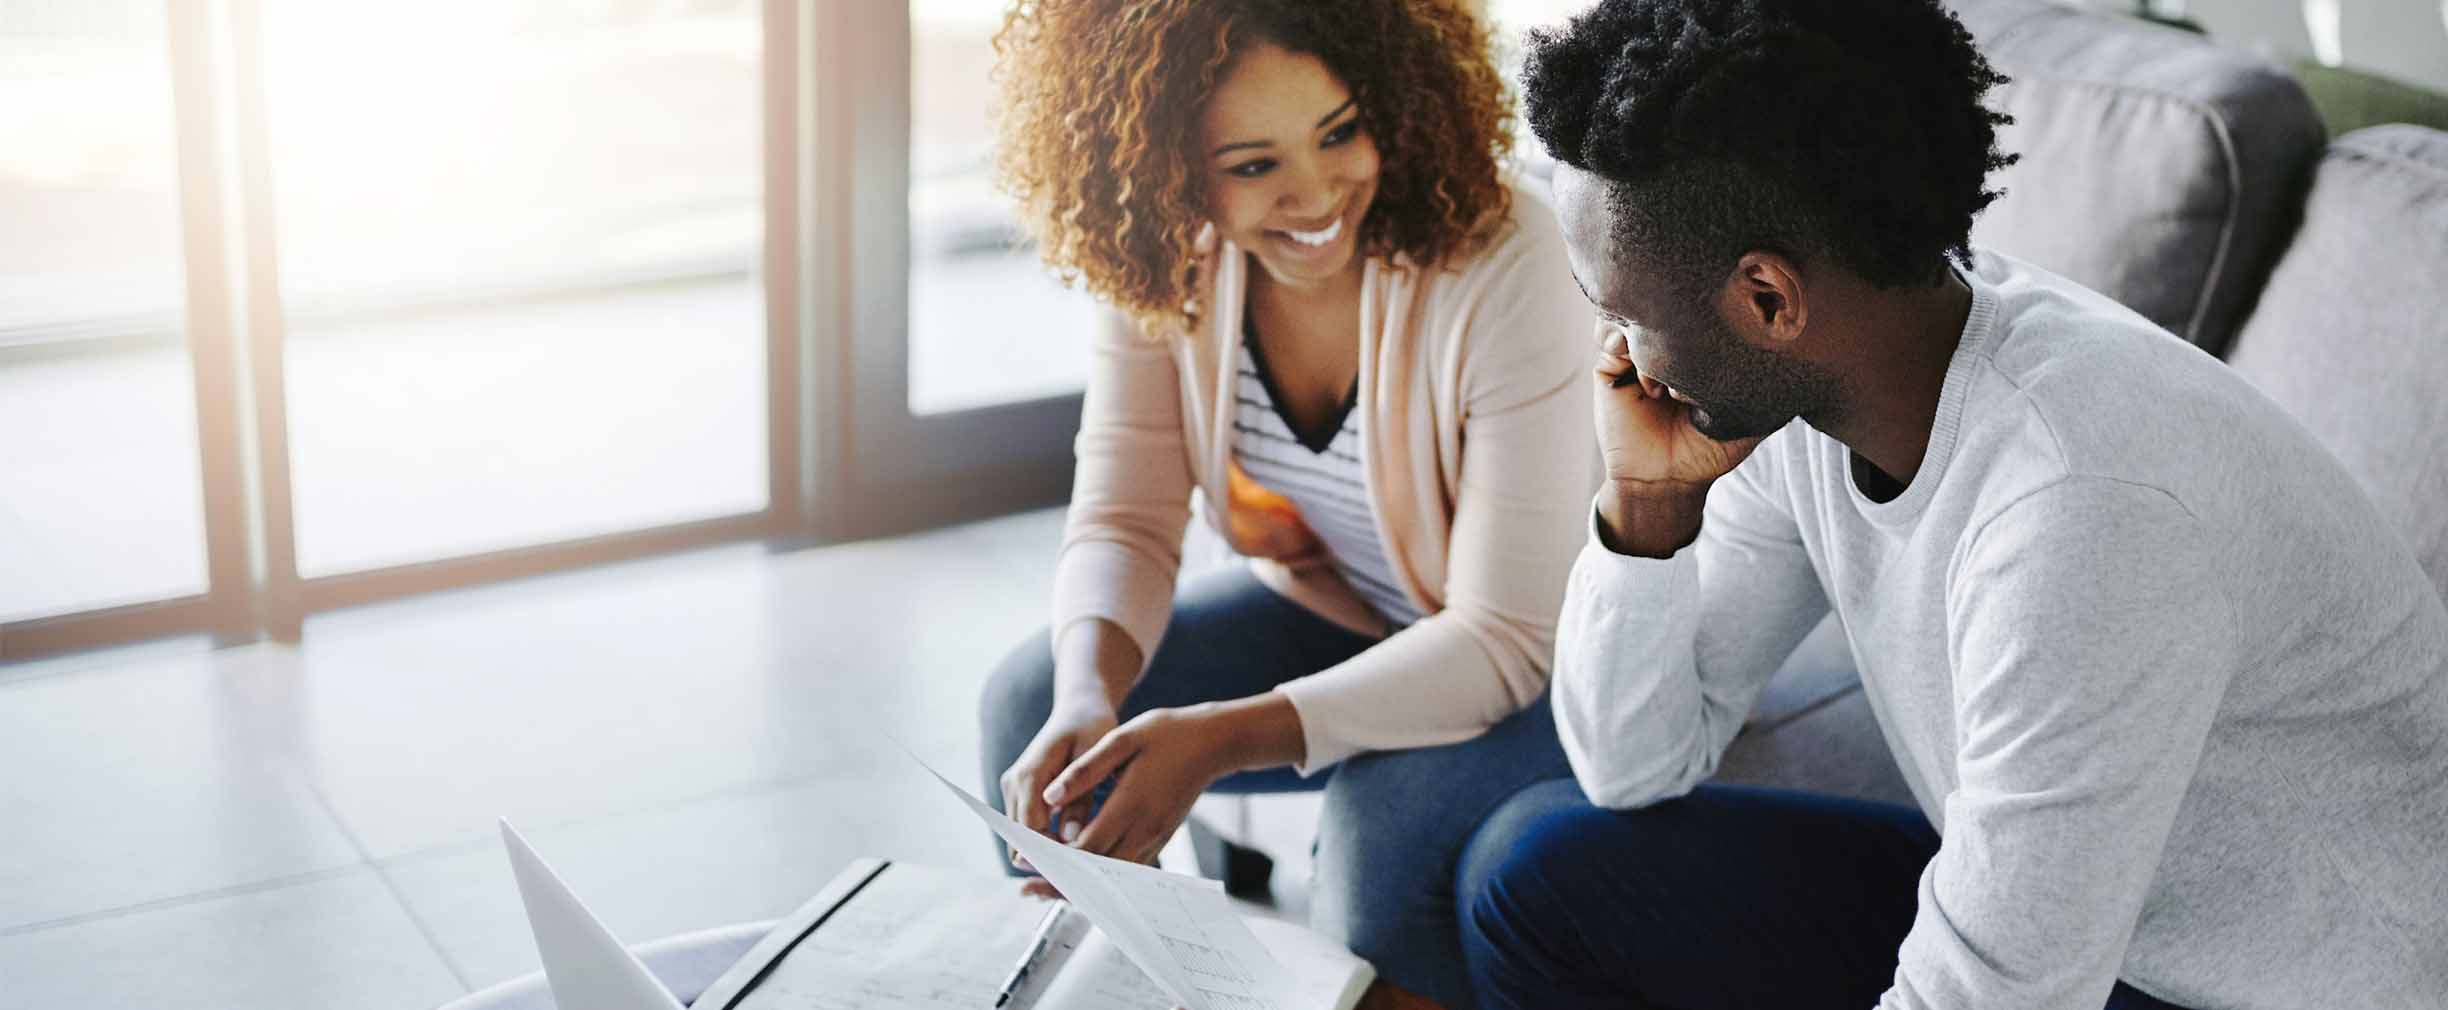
(913, 938)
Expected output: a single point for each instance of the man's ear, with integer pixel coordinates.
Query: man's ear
(1764, 297)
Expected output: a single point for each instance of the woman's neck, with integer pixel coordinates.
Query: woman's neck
(1327, 301)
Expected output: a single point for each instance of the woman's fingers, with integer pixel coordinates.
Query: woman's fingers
(1074, 817)
(1092, 767)
(1123, 831)
(1022, 786)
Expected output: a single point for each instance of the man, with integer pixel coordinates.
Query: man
(2171, 696)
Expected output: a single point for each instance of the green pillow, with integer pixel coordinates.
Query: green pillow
(2350, 100)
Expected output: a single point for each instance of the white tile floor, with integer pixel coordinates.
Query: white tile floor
(694, 740)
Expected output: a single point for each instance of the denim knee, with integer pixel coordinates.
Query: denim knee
(1515, 914)
(1359, 847)
(1017, 699)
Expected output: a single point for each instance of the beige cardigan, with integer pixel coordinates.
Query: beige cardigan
(1480, 459)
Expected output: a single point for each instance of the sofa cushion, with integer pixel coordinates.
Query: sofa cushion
(2351, 334)
(2157, 167)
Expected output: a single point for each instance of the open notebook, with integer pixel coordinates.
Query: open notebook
(893, 936)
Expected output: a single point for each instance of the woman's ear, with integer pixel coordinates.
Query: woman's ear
(1205, 242)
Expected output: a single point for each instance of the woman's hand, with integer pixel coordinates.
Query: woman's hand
(1265, 524)
(1161, 762)
(1071, 731)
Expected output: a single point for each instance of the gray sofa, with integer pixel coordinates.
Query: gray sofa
(2194, 183)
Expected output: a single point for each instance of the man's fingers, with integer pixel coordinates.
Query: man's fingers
(1610, 369)
(1037, 887)
(1091, 768)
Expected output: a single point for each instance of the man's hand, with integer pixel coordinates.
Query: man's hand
(1658, 466)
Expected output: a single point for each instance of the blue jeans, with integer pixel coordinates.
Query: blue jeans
(1394, 822)
(1732, 896)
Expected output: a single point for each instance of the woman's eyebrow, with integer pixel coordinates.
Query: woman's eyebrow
(1242, 144)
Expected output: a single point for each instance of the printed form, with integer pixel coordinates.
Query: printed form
(1181, 931)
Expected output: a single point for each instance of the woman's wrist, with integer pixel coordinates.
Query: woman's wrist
(1095, 664)
(1260, 731)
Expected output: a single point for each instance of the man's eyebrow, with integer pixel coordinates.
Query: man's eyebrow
(1594, 303)
(1242, 144)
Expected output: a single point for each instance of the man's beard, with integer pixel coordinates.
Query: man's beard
(1752, 392)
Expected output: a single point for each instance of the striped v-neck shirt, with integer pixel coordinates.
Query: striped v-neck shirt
(1321, 475)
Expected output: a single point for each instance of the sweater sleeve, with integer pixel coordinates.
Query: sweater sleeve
(1528, 461)
(2091, 648)
(1130, 493)
(1659, 660)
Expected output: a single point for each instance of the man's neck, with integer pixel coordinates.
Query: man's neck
(1907, 341)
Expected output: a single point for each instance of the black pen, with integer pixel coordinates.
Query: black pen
(1037, 947)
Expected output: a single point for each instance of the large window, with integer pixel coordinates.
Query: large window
(519, 257)
(987, 324)
(99, 496)
(313, 302)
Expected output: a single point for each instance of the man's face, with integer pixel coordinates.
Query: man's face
(1735, 386)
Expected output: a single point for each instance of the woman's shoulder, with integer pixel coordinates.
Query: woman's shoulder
(1523, 245)
(1518, 269)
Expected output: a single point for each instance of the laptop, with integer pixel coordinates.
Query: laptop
(585, 965)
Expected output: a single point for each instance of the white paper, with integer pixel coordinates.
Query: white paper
(915, 939)
(585, 965)
(1184, 935)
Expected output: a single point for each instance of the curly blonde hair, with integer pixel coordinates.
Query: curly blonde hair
(1099, 115)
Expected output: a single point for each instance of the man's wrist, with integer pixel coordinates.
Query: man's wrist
(1650, 520)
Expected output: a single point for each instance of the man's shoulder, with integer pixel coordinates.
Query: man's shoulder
(2105, 392)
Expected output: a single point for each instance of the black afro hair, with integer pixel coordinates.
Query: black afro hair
(1852, 129)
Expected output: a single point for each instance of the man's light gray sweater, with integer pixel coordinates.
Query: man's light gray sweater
(2174, 694)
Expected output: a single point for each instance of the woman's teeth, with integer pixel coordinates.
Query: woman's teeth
(1313, 239)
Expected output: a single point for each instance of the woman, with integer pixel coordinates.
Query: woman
(1362, 348)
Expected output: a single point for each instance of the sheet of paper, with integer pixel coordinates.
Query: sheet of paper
(1184, 935)
(912, 939)
(1321, 974)
(1096, 975)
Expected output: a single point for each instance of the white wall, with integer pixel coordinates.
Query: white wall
(2404, 39)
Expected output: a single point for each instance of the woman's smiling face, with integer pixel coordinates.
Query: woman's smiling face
(1290, 167)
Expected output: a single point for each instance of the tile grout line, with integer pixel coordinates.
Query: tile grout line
(391, 887)
(100, 664)
(749, 787)
(176, 901)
